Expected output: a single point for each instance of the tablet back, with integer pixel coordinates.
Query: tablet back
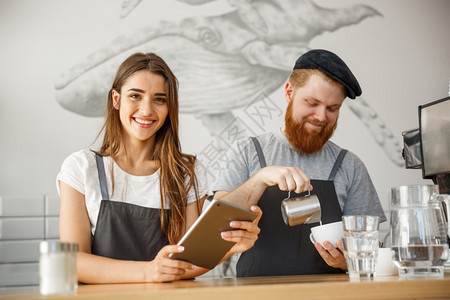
(203, 244)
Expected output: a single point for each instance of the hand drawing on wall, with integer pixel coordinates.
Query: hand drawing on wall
(223, 62)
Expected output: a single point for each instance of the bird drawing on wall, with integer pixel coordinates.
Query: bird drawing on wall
(223, 61)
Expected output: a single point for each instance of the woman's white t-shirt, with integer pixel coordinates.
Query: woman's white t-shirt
(79, 170)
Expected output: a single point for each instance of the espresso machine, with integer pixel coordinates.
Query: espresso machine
(428, 147)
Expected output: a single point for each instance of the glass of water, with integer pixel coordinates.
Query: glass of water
(418, 231)
(360, 245)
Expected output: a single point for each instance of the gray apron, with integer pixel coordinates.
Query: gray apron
(126, 231)
(285, 250)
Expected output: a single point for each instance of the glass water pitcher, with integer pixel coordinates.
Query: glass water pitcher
(418, 231)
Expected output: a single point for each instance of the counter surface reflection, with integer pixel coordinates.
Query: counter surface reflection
(336, 286)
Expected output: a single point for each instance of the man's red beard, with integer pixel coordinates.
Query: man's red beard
(302, 139)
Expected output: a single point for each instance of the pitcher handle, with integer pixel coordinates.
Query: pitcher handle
(443, 200)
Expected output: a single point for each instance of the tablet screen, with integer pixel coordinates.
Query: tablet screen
(203, 243)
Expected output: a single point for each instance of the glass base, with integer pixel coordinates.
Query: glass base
(421, 272)
(354, 276)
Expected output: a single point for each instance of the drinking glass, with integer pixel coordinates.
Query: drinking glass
(361, 245)
(418, 232)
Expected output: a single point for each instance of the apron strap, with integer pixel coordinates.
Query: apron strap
(337, 164)
(102, 177)
(262, 159)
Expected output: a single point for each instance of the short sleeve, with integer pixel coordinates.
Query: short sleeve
(77, 171)
(362, 198)
(234, 167)
(71, 173)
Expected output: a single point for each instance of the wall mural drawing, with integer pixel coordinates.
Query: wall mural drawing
(223, 63)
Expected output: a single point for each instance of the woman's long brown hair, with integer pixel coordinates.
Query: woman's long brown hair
(177, 174)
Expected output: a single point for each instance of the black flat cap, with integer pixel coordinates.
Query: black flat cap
(333, 66)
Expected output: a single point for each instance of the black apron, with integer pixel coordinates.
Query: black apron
(126, 231)
(282, 249)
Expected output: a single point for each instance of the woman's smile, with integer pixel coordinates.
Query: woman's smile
(143, 122)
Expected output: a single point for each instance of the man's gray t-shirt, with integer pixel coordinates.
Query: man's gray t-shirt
(354, 188)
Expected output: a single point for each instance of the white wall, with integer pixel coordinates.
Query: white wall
(401, 59)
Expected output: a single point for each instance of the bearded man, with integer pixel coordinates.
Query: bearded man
(298, 158)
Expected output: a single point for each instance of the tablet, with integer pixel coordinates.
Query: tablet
(203, 244)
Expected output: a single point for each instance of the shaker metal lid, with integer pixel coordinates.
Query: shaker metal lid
(57, 246)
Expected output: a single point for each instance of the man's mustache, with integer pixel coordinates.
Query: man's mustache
(316, 123)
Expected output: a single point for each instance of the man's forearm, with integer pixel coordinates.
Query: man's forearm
(245, 195)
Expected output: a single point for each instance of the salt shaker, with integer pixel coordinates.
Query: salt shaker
(57, 268)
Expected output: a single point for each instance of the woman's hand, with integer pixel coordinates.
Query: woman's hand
(246, 234)
(163, 268)
(334, 257)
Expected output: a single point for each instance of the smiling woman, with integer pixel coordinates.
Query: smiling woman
(143, 107)
(129, 203)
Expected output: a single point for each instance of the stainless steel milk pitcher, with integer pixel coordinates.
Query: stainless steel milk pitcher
(301, 210)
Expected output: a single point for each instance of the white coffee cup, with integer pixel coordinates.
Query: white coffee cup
(385, 265)
(331, 232)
